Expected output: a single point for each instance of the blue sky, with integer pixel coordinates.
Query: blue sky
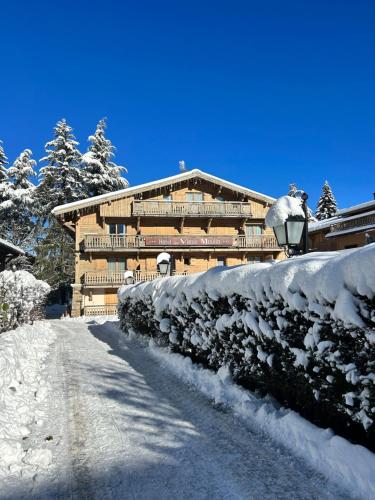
(262, 93)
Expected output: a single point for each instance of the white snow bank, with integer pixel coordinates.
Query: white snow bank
(283, 208)
(22, 389)
(310, 283)
(350, 466)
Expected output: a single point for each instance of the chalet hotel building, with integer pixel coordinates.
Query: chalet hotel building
(200, 220)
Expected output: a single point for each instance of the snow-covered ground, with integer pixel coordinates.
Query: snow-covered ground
(121, 424)
(24, 452)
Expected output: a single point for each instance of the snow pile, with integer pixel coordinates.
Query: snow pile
(283, 208)
(301, 330)
(22, 389)
(22, 297)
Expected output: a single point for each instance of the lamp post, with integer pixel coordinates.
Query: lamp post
(293, 232)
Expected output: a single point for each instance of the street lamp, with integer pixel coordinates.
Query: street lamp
(289, 221)
(290, 233)
(129, 278)
(163, 262)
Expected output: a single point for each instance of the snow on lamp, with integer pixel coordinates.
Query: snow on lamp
(129, 277)
(163, 262)
(288, 219)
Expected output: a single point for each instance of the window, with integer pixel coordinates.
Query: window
(116, 264)
(187, 261)
(219, 198)
(253, 259)
(117, 229)
(194, 196)
(167, 197)
(221, 261)
(253, 229)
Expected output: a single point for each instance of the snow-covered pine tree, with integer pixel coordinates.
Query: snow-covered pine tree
(16, 208)
(3, 162)
(327, 206)
(101, 175)
(60, 179)
(3, 171)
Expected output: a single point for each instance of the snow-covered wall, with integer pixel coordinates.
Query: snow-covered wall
(302, 329)
(21, 297)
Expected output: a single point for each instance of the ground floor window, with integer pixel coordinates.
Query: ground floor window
(253, 259)
(221, 261)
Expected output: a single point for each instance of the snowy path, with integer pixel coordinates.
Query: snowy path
(126, 429)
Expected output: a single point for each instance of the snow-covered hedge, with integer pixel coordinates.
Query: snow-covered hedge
(302, 330)
(22, 297)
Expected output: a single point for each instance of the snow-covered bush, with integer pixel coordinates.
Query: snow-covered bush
(302, 330)
(23, 296)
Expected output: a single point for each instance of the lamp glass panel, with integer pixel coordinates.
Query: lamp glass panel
(163, 267)
(295, 229)
(280, 233)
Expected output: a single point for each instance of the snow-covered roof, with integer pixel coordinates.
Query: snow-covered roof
(96, 200)
(323, 224)
(355, 208)
(11, 247)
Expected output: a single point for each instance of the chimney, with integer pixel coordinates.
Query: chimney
(182, 166)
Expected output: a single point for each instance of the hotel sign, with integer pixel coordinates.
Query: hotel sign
(189, 241)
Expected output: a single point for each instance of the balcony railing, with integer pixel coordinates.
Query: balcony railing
(104, 243)
(358, 222)
(193, 209)
(116, 279)
(100, 310)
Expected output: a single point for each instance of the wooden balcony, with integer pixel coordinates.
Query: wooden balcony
(107, 279)
(356, 223)
(108, 243)
(191, 209)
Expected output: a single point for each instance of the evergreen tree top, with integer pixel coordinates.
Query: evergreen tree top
(327, 205)
(63, 148)
(60, 178)
(3, 162)
(22, 169)
(102, 175)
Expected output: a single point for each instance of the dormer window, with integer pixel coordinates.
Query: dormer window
(194, 196)
(117, 229)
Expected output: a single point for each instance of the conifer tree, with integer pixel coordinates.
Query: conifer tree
(60, 179)
(3, 162)
(60, 183)
(16, 208)
(3, 172)
(327, 206)
(101, 174)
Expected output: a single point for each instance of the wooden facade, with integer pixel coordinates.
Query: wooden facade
(200, 220)
(352, 227)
